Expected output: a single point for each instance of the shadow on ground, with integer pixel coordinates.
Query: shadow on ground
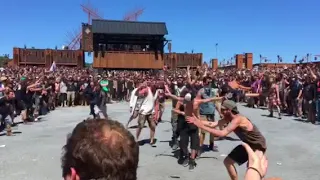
(14, 133)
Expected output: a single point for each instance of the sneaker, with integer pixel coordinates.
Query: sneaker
(175, 146)
(270, 115)
(153, 143)
(185, 162)
(213, 148)
(180, 160)
(192, 164)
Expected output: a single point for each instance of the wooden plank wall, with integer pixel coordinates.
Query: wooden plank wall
(45, 57)
(182, 60)
(128, 60)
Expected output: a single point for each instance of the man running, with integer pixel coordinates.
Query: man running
(241, 126)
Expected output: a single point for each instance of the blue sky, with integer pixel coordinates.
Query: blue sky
(271, 28)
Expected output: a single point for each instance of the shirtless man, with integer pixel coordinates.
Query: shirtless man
(241, 126)
(190, 104)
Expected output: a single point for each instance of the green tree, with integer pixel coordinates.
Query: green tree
(4, 59)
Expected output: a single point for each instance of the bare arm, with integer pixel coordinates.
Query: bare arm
(300, 93)
(174, 97)
(171, 96)
(177, 109)
(35, 89)
(210, 124)
(312, 73)
(205, 72)
(156, 94)
(220, 133)
(277, 91)
(32, 86)
(244, 88)
(189, 76)
(213, 99)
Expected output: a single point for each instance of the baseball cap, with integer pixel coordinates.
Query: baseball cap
(230, 105)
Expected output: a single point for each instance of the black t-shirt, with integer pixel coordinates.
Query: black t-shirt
(295, 87)
(71, 86)
(5, 109)
(225, 89)
(21, 92)
(120, 85)
(130, 85)
(309, 91)
(28, 99)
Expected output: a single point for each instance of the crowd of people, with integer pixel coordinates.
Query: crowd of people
(198, 96)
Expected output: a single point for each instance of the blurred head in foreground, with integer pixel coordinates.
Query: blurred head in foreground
(100, 149)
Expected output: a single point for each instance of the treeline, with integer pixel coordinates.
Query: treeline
(4, 59)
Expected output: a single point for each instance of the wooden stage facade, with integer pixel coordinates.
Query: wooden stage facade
(45, 57)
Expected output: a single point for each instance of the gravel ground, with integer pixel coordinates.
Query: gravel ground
(34, 152)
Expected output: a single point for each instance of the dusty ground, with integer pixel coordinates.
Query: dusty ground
(34, 154)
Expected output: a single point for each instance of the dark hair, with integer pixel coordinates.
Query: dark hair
(204, 79)
(101, 149)
(235, 112)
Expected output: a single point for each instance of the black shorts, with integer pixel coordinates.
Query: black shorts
(194, 139)
(240, 155)
(21, 105)
(188, 133)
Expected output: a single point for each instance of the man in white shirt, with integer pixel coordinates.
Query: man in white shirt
(146, 113)
(136, 101)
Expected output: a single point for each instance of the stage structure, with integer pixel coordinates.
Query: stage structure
(125, 44)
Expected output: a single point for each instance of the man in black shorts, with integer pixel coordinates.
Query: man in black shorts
(242, 127)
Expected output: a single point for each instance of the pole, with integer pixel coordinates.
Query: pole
(217, 50)
(260, 59)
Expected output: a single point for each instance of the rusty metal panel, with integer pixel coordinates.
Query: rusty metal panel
(249, 60)
(87, 38)
(182, 60)
(16, 56)
(67, 57)
(239, 61)
(45, 57)
(128, 60)
(186, 59)
(214, 64)
(32, 57)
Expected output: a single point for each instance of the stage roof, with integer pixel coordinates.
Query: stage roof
(128, 27)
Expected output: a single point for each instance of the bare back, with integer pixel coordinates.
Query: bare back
(191, 108)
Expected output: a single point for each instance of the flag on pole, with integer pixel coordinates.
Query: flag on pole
(53, 66)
